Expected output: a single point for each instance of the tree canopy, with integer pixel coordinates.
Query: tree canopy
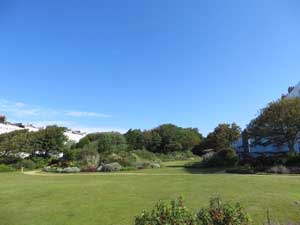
(222, 137)
(278, 124)
(164, 138)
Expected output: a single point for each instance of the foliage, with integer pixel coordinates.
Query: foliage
(164, 139)
(173, 213)
(12, 144)
(278, 124)
(45, 143)
(61, 170)
(111, 167)
(219, 213)
(48, 142)
(111, 142)
(225, 157)
(280, 169)
(222, 137)
(28, 164)
(6, 168)
(89, 156)
(135, 139)
(175, 156)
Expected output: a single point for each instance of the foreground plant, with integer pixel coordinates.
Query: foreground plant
(175, 213)
(219, 213)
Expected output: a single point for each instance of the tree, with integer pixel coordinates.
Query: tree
(13, 144)
(111, 142)
(174, 138)
(278, 124)
(135, 139)
(49, 141)
(222, 137)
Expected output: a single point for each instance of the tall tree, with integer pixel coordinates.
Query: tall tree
(278, 124)
(222, 137)
(49, 141)
(135, 139)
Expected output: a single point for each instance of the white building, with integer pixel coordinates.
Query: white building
(295, 93)
(10, 127)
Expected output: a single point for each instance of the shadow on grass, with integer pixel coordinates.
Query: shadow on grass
(197, 168)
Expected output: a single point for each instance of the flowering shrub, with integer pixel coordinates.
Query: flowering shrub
(219, 213)
(174, 213)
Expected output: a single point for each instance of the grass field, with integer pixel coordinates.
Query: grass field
(115, 199)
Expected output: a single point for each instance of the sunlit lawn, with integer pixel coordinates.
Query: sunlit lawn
(116, 199)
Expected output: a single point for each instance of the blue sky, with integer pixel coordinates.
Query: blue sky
(115, 64)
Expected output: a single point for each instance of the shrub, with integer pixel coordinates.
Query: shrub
(293, 161)
(145, 155)
(6, 168)
(123, 158)
(174, 213)
(111, 167)
(49, 169)
(141, 165)
(89, 156)
(28, 164)
(41, 162)
(225, 157)
(219, 213)
(154, 165)
(71, 170)
(280, 169)
(174, 156)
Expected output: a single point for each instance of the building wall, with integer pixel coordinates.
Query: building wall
(6, 128)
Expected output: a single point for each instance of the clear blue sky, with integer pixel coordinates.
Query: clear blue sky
(117, 64)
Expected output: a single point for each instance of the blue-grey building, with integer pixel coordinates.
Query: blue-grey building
(246, 145)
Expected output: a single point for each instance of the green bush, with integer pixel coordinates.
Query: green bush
(174, 156)
(6, 168)
(225, 157)
(111, 167)
(280, 169)
(219, 213)
(145, 155)
(174, 213)
(89, 156)
(28, 164)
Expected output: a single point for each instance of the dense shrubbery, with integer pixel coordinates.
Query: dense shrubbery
(219, 213)
(111, 167)
(6, 168)
(61, 170)
(224, 158)
(164, 139)
(175, 213)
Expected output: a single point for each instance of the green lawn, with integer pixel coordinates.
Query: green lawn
(116, 199)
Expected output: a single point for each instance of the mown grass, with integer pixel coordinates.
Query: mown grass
(115, 200)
